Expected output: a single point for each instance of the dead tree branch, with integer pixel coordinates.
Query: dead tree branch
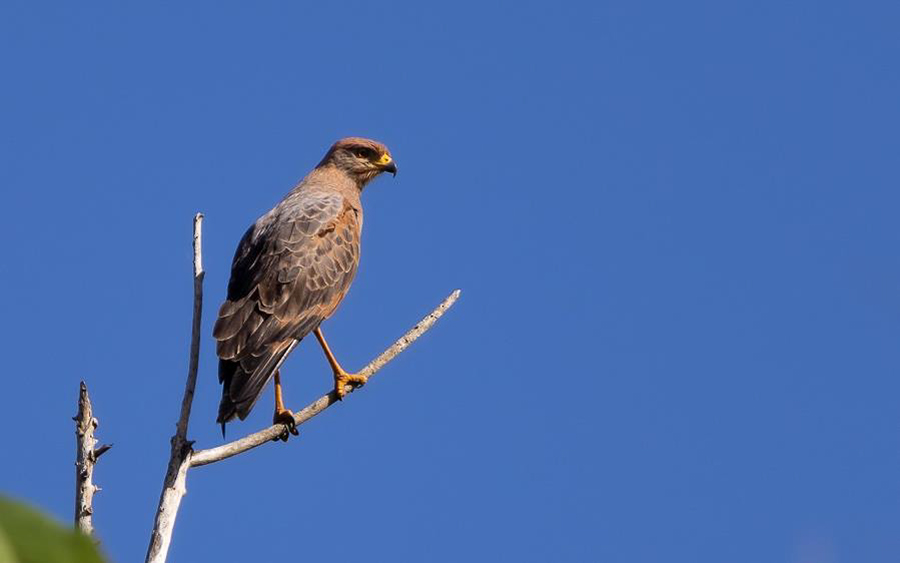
(212, 455)
(85, 458)
(180, 457)
(183, 457)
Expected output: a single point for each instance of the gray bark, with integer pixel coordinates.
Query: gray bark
(174, 485)
(85, 459)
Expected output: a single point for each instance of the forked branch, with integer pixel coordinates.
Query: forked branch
(183, 457)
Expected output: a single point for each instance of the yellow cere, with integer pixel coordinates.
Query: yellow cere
(385, 159)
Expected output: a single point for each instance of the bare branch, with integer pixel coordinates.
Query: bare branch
(183, 457)
(212, 455)
(85, 458)
(180, 457)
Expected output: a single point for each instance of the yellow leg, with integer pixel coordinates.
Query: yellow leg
(341, 377)
(283, 415)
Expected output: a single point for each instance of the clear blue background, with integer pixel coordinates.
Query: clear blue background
(675, 225)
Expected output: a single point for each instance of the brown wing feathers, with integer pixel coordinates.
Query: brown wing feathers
(290, 272)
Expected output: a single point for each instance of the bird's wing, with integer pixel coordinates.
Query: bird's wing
(290, 272)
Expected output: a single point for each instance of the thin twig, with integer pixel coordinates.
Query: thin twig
(188, 399)
(85, 458)
(180, 457)
(212, 455)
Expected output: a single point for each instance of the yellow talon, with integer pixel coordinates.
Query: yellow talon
(341, 381)
(283, 415)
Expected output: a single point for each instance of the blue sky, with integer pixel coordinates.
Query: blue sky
(674, 225)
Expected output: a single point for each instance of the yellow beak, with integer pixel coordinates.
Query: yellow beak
(387, 164)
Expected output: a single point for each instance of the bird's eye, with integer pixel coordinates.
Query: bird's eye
(363, 153)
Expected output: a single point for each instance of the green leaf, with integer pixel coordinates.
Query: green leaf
(27, 536)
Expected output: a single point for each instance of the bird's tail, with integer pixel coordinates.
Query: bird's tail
(243, 382)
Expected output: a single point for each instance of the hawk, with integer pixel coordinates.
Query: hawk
(291, 270)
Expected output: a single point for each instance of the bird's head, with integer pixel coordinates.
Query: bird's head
(361, 159)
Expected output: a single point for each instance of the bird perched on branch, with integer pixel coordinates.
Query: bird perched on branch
(290, 272)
